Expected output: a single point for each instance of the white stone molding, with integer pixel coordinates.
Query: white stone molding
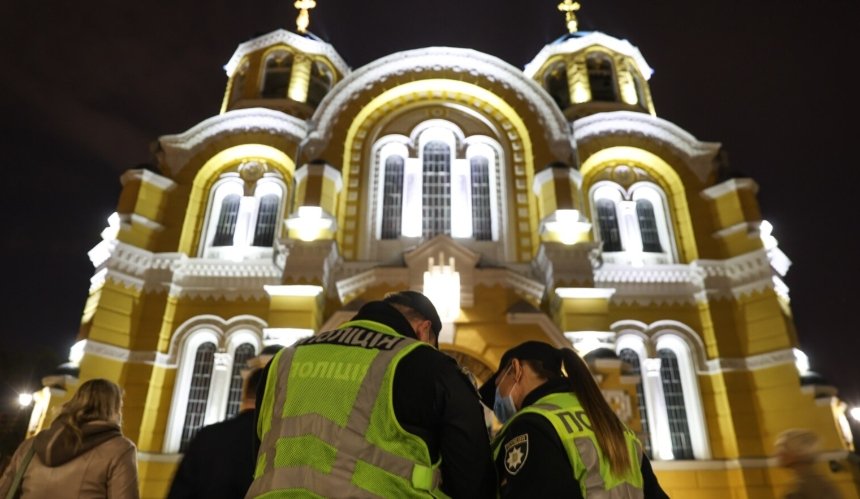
(731, 185)
(747, 463)
(424, 63)
(577, 44)
(311, 262)
(652, 284)
(356, 284)
(120, 354)
(558, 264)
(647, 335)
(751, 363)
(737, 277)
(179, 148)
(699, 155)
(211, 279)
(280, 36)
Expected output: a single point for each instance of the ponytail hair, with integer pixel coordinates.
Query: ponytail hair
(608, 429)
(95, 400)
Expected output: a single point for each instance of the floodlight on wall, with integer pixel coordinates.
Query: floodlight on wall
(25, 399)
(567, 225)
(587, 341)
(801, 361)
(76, 353)
(310, 223)
(442, 287)
(854, 412)
(766, 233)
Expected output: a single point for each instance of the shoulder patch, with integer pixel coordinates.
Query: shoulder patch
(516, 453)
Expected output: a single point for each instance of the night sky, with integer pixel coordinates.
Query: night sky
(86, 87)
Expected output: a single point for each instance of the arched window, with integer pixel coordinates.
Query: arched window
(482, 229)
(630, 356)
(601, 77)
(676, 408)
(319, 84)
(227, 221)
(556, 84)
(276, 79)
(267, 219)
(234, 398)
(436, 194)
(648, 226)
(198, 393)
(607, 221)
(392, 197)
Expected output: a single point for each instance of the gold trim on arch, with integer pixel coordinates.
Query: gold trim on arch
(664, 175)
(206, 177)
(440, 90)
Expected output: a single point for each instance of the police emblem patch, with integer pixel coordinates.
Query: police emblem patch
(516, 452)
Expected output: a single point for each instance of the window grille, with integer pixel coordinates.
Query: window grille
(607, 221)
(227, 221)
(436, 195)
(319, 84)
(648, 226)
(392, 197)
(481, 217)
(600, 77)
(673, 390)
(234, 397)
(267, 220)
(557, 85)
(198, 393)
(631, 357)
(277, 77)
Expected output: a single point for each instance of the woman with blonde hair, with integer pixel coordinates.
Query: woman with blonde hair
(796, 450)
(83, 454)
(560, 437)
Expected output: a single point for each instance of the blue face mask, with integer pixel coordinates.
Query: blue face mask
(504, 407)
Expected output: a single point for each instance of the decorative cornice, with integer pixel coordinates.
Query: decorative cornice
(179, 148)
(281, 36)
(626, 123)
(581, 43)
(737, 277)
(208, 279)
(354, 285)
(652, 284)
(424, 63)
(120, 354)
(751, 363)
(730, 185)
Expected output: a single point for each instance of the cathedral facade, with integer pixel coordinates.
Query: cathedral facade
(546, 203)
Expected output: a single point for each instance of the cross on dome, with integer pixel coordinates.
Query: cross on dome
(569, 7)
(304, 18)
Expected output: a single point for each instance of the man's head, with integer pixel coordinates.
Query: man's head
(249, 389)
(420, 312)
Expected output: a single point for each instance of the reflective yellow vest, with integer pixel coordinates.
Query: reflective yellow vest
(589, 466)
(326, 422)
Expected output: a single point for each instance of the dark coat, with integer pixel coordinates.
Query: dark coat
(219, 462)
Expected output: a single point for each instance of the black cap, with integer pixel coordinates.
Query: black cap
(549, 356)
(419, 303)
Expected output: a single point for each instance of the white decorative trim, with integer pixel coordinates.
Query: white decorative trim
(576, 44)
(424, 63)
(652, 284)
(179, 148)
(737, 277)
(730, 185)
(302, 43)
(356, 284)
(149, 177)
(119, 354)
(699, 155)
(733, 464)
(202, 278)
(751, 363)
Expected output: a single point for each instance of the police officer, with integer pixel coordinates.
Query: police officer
(372, 409)
(561, 438)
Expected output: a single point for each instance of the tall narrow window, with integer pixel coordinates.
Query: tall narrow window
(198, 392)
(600, 77)
(319, 84)
(276, 80)
(557, 85)
(673, 390)
(481, 218)
(640, 86)
(234, 397)
(648, 226)
(607, 221)
(267, 220)
(436, 195)
(631, 357)
(227, 221)
(392, 197)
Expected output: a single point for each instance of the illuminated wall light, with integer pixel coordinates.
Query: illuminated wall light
(567, 225)
(854, 412)
(588, 341)
(285, 336)
(580, 93)
(585, 293)
(298, 290)
(112, 230)
(766, 231)
(801, 361)
(310, 223)
(300, 79)
(25, 399)
(442, 287)
(76, 353)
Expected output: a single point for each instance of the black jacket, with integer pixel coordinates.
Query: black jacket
(219, 461)
(544, 470)
(434, 400)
